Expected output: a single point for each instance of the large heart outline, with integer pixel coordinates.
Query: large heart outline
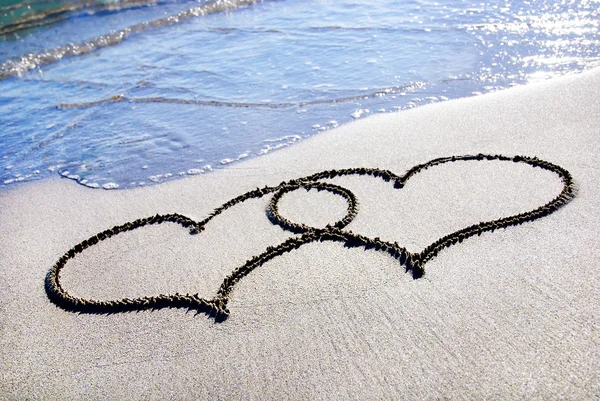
(217, 306)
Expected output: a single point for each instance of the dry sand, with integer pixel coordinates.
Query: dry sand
(512, 314)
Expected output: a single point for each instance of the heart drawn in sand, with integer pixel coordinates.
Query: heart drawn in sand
(217, 306)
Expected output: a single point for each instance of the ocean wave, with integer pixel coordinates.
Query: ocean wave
(27, 15)
(22, 64)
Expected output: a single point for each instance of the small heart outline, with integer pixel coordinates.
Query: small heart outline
(217, 306)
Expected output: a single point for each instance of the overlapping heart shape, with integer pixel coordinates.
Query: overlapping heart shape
(217, 306)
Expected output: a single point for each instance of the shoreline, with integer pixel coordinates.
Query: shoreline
(512, 310)
(208, 169)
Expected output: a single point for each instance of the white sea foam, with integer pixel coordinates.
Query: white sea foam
(19, 65)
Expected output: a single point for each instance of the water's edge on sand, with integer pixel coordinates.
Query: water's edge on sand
(509, 314)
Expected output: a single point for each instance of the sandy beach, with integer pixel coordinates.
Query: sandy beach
(509, 314)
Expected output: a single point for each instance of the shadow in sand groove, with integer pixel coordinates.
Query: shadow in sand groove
(217, 306)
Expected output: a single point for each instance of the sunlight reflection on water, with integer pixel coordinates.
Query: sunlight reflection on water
(307, 66)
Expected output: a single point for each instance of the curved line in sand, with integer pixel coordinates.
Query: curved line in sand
(217, 306)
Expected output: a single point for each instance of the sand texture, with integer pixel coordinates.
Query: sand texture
(508, 314)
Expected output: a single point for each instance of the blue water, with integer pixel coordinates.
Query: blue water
(197, 92)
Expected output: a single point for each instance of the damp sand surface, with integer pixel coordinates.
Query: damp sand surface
(504, 315)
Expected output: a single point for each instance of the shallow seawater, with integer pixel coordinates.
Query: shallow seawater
(117, 94)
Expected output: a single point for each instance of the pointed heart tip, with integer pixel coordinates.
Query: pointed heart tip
(216, 308)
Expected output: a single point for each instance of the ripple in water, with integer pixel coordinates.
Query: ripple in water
(120, 94)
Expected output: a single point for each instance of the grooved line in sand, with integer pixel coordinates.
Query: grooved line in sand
(217, 306)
